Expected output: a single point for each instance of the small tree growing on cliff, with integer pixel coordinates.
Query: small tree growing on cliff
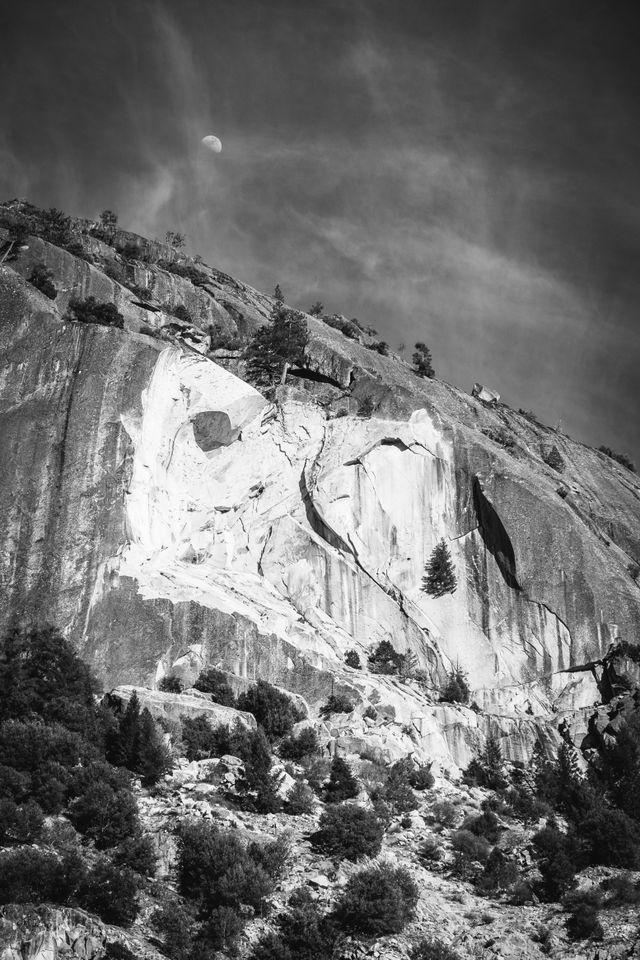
(439, 575)
(276, 346)
(422, 361)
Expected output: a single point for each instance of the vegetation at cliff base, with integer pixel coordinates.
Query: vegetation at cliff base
(91, 311)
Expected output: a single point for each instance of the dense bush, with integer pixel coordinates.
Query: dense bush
(137, 853)
(352, 659)
(274, 711)
(170, 684)
(300, 800)
(348, 832)
(19, 823)
(500, 873)
(342, 785)
(366, 407)
(42, 279)
(186, 270)
(553, 458)
(421, 778)
(483, 825)
(111, 892)
(396, 790)
(557, 861)
(32, 875)
(305, 744)
(216, 870)
(348, 327)
(337, 703)
(303, 934)
(445, 813)
(378, 900)
(104, 815)
(619, 457)
(215, 683)
(202, 741)
(91, 311)
(384, 659)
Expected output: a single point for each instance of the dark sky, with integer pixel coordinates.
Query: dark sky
(464, 173)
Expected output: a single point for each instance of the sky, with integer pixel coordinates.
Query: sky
(460, 172)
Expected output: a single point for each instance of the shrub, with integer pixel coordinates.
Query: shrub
(621, 888)
(366, 407)
(42, 279)
(553, 459)
(175, 922)
(348, 832)
(378, 900)
(619, 457)
(445, 813)
(439, 577)
(90, 311)
(557, 861)
(220, 932)
(316, 771)
(421, 779)
(347, 327)
(56, 227)
(370, 713)
(500, 873)
(221, 339)
(19, 824)
(396, 791)
(186, 270)
(500, 436)
(300, 800)
(137, 854)
(215, 870)
(379, 346)
(342, 784)
(171, 684)
(305, 744)
(422, 361)
(180, 312)
(272, 856)
(111, 892)
(430, 850)
(611, 838)
(337, 703)
(175, 239)
(470, 846)
(583, 922)
(202, 741)
(384, 659)
(352, 660)
(316, 309)
(274, 711)
(302, 935)
(215, 683)
(105, 815)
(483, 825)
(433, 949)
(457, 687)
(142, 293)
(32, 875)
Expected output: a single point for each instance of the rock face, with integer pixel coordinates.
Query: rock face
(161, 511)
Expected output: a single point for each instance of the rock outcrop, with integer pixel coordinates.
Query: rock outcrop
(161, 510)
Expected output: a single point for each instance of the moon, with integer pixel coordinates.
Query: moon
(212, 143)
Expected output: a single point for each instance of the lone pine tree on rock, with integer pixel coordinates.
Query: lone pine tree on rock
(439, 575)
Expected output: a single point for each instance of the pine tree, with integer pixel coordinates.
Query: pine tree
(439, 575)
(154, 759)
(276, 346)
(457, 687)
(422, 361)
(342, 784)
(492, 763)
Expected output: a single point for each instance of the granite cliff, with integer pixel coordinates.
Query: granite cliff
(168, 516)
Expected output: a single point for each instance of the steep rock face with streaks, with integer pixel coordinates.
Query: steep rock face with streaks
(168, 516)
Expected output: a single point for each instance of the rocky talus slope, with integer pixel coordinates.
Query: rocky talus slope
(167, 516)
